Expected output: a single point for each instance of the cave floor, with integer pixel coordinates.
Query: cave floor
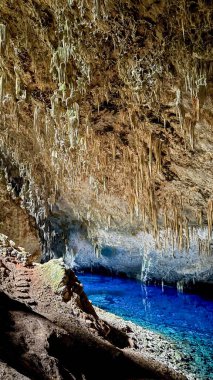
(47, 335)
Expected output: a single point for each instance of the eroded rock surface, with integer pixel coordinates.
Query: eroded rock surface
(15, 221)
(49, 329)
(136, 256)
(106, 116)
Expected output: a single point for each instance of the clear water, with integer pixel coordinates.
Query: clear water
(184, 318)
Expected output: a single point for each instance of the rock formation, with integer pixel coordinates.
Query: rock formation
(106, 123)
(50, 330)
(106, 163)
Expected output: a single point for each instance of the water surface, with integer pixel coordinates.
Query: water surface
(184, 318)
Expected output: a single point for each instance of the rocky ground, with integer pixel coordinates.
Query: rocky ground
(49, 329)
(152, 345)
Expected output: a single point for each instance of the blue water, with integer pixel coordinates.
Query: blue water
(187, 319)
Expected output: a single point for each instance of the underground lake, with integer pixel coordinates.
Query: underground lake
(184, 318)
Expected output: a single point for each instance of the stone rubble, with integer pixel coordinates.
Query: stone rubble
(153, 345)
(53, 292)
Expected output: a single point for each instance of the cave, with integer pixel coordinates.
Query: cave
(106, 178)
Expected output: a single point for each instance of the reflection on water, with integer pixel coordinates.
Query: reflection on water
(186, 318)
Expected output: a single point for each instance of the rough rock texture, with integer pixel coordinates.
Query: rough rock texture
(15, 221)
(106, 111)
(53, 332)
(124, 257)
(136, 256)
(152, 345)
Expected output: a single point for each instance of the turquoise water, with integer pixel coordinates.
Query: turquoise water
(185, 318)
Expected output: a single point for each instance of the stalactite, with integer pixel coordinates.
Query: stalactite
(192, 133)
(109, 221)
(97, 251)
(71, 142)
(210, 218)
(199, 217)
(197, 109)
(157, 151)
(35, 118)
(180, 286)
(1, 87)
(18, 85)
(180, 236)
(186, 229)
(2, 37)
(150, 154)
(178, 107)
(113, 149)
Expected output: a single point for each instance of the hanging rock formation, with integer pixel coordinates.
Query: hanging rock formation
(106, 114)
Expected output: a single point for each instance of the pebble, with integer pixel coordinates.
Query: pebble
(153, 345)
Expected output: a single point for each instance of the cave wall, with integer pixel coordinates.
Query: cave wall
(15, 222)
(106, 112)
(133, 255)
(137, 257)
